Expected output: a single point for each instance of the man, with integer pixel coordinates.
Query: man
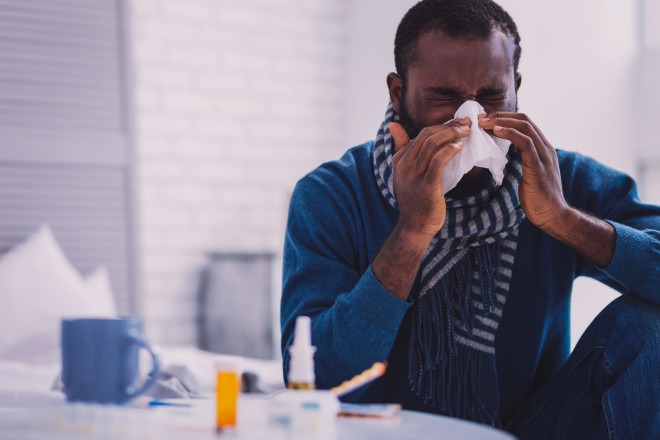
(467, 294)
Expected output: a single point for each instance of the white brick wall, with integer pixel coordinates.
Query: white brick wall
(234, 101)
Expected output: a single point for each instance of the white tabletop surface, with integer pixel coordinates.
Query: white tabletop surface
(66, 421)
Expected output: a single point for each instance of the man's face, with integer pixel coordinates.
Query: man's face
(448, 72)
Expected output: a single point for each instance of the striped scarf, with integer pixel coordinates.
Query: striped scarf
(463, 282)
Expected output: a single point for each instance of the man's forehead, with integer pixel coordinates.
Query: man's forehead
(444, 85)
(437, 50)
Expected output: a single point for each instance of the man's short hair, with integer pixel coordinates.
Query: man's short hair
(455, 18)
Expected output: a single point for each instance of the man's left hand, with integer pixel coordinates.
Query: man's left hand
(540, 192)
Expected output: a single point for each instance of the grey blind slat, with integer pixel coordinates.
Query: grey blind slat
(83, 205)
(61, 72)
(38, 144)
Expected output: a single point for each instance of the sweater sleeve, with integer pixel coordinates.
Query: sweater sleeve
(612, 196)
(355, 320)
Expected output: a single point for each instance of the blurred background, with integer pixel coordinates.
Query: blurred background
(162, 138)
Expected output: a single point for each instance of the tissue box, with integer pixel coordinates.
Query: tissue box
(305, 412)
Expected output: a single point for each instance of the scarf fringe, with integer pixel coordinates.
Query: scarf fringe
(455, 378)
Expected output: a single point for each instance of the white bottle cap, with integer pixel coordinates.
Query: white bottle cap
(225, 362)
(301, 363)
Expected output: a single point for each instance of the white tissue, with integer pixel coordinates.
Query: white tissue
(479, 150)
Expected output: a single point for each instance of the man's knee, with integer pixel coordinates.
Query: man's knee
(627, 327)
(631, 356)
(636, 314)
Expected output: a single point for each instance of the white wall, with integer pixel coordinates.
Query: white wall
(651, 16)
(370, 31)
(234, 101)
(577, 66)
(648, 92)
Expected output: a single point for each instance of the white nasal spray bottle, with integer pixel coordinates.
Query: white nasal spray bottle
(301, 356)
(302, 409)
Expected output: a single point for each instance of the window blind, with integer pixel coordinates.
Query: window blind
(65, 150)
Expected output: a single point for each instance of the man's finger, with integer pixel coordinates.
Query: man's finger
(520, 116)
(440, 160)
(399, 135)
(523, 143)
(523, 126)
(544, 150)
(438, 141)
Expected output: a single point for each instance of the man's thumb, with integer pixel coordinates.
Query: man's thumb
(399, 135)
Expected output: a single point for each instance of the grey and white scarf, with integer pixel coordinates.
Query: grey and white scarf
(463, 280)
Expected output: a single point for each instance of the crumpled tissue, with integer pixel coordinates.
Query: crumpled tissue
(480, 149)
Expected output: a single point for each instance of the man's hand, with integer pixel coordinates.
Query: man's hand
(417, 167)
(541, 196)
(540, 192)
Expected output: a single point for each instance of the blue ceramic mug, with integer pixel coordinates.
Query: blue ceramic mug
(100, 359)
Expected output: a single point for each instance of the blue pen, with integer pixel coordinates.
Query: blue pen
(165, 403)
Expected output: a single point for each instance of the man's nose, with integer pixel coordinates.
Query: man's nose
(460, 102)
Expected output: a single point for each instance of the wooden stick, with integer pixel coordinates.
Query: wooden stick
(376, 370)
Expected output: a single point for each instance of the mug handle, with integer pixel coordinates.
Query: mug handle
(153, 375)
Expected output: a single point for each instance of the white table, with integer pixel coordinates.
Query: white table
(65, 421)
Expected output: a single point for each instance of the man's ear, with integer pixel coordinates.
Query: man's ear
(518, 81)
(395, 87)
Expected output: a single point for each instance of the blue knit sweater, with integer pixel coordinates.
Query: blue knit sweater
(338, 222)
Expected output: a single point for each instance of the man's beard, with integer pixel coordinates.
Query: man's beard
(405, 120)
(474, 181)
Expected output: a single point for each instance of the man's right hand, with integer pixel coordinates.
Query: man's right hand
(418, 166)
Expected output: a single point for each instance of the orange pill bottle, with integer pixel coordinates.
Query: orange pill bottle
(227, 389)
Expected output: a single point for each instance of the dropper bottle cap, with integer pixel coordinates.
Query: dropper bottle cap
(301, 363)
